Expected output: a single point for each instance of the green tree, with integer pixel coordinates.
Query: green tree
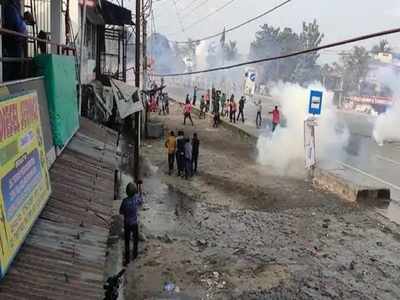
(271, 41)
(355, 68)
(230, 51)
(307, 69)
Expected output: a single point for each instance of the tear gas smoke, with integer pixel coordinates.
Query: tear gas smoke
(284, 149)
(387, 125)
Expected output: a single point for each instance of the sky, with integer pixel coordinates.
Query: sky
(338, 19)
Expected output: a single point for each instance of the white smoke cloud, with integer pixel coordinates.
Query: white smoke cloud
(387, 125)
(284, 150)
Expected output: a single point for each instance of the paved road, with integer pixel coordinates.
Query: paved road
(365, 160)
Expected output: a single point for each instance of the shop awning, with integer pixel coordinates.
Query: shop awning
(116, 15)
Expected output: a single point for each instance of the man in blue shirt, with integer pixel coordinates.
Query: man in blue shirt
(129, 209)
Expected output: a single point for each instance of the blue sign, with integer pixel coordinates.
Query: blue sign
(315, 104)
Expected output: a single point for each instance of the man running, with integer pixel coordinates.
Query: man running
(276, 118)
(187, 112)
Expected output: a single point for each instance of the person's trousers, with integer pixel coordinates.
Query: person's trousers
(274, 125)
(180, 161)
(233, 116)
(171, 159)
(194, 100)
(188, 167)
(240, 114)
(131, 231)
(187, 115)
(195, 159)
(258, 119)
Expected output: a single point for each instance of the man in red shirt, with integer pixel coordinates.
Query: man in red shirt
(276, 118)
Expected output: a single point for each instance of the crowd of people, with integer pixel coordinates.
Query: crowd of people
(186, 153)
(219, 105)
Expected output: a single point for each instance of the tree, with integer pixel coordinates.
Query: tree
(355, 68)
(272, 41)
(230, 51)
(308, 70)
(383, 46)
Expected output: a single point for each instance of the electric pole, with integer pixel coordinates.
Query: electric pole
(137, 85)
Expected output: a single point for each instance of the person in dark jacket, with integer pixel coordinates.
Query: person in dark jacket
(13, 46)
(195, 152)
(180, 153)
(242, 101)
(129, 209)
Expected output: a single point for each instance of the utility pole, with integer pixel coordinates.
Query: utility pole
(144, 69)
(137, 85)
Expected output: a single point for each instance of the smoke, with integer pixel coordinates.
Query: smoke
(387, 125)
(284, 149)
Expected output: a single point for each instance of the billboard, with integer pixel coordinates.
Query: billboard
(25, 183)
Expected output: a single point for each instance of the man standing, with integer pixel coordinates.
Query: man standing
(195, 152)
(259, 113)
(180, 152)
(242, 101)
(223, 100)
(194, 95)
(188, 159)
(128, 209)
(170, 144)
(276, 118)
(232, 110)
(202, 108)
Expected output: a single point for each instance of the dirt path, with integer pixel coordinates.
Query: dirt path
(238, 231)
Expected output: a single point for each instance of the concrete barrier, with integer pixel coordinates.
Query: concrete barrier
(350, 190)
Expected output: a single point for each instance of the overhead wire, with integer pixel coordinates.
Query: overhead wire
(296, 53)
(239, 25)
(210, 14)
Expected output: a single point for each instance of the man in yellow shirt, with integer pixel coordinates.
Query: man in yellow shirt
(170, 144)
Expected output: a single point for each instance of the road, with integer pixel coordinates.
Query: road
(238, 230)
(379, 165)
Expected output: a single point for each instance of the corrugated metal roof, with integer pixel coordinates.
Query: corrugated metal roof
(64, 254)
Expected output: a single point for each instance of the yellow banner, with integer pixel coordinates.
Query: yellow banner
(25, 183)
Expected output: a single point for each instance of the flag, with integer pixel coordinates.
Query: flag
(223, 38)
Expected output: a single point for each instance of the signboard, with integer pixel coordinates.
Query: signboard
(309, 142)
(315, 103)
(124, 97)
(25, 182)
(250, 83)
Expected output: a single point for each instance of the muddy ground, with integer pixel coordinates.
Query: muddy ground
(239, 231)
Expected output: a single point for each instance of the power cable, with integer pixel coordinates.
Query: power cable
(209, 15)
(240, 25)
(251, 62)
